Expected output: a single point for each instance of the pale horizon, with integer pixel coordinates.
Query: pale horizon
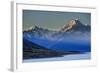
(52, 20)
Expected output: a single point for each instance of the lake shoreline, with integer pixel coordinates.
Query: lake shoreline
(85, 56)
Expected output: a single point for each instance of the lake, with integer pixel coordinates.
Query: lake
(64, 58)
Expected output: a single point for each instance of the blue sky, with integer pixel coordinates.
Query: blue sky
(52, 19)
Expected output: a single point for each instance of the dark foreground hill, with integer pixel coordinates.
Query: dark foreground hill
(32, 50)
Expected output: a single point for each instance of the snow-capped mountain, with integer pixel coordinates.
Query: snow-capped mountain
(76, 25)
(74, 36)
(73, 27)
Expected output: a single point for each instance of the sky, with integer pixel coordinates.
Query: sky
(52, 20)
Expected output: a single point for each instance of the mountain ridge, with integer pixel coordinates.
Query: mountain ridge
(71, 37)
(72, 24)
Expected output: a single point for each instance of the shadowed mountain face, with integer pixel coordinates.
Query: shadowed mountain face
(32, 50)
(71, 39)
(80, 27)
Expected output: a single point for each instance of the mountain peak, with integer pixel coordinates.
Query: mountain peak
(75, 25)
(34, 27)
(69, 26)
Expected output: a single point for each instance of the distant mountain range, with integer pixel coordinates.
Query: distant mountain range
(74, 26)
(72, 38)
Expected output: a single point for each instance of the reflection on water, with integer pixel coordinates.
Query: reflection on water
(85, 56)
